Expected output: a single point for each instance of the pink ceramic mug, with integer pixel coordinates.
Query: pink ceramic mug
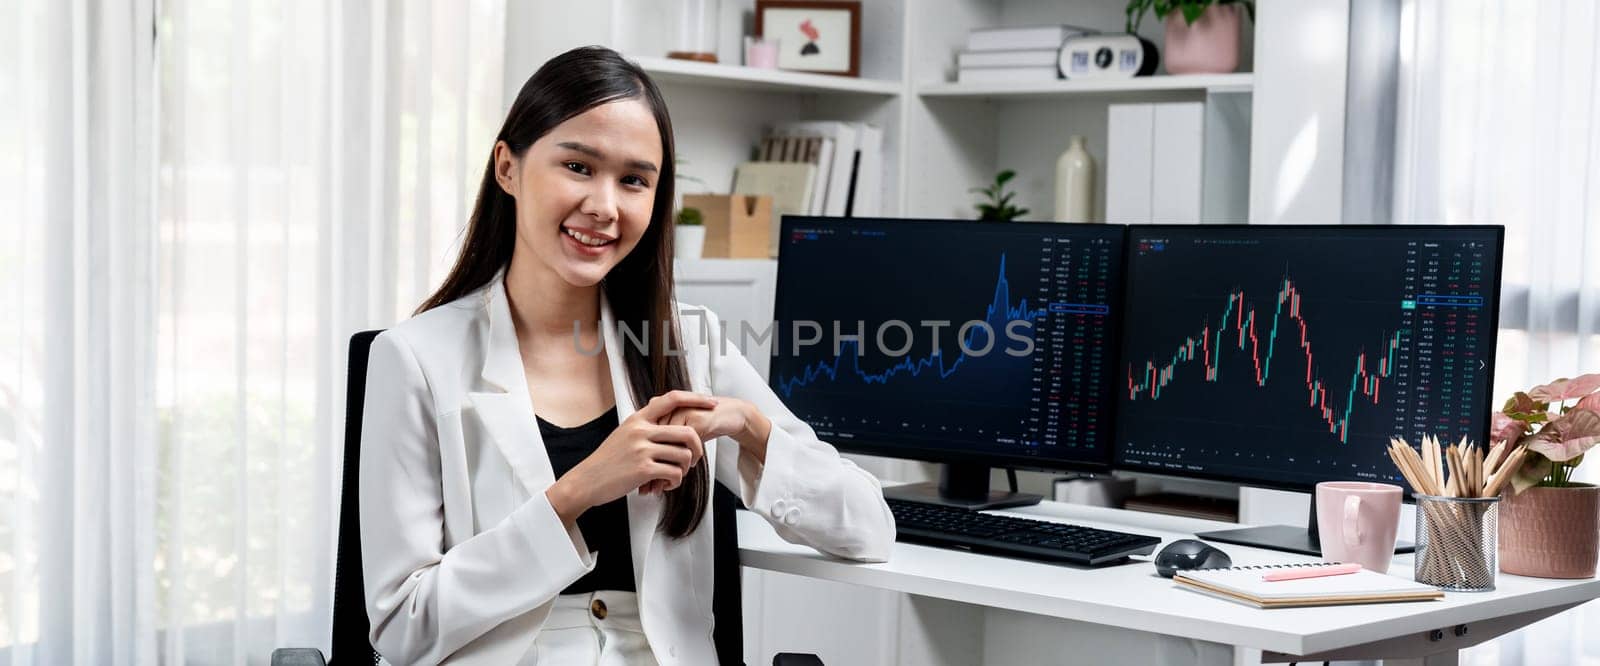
(1357, 521)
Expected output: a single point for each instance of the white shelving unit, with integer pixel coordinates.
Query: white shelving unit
(941, 138)
(1286, 115)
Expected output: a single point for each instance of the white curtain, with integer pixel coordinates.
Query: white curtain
(1499, 122)
(77, 262)
(210, 197)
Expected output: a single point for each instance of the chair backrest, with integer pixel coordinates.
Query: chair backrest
(350, 627)
(727, 601)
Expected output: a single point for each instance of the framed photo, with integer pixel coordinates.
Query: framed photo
(813, 36)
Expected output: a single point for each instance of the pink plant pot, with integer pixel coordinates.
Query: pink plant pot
(1550, 532)
(1210, 46)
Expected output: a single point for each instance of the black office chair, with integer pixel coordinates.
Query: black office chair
(350, 644)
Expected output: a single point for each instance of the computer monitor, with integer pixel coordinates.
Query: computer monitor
(1281, 356)
(967, 343)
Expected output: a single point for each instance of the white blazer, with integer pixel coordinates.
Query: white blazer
(462, 553)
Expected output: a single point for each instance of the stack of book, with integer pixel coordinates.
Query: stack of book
(1013, 55)
(817, 168)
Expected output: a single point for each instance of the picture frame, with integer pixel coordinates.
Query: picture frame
(818, 36)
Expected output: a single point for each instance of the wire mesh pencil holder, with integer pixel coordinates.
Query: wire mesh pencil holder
(1457, 542)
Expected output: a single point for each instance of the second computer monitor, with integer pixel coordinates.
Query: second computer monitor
(1280, 356)
(952, 341)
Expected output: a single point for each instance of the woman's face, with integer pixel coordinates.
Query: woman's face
(585, 190)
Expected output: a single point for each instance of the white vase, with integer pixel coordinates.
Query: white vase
(687, 241)
(1075, 183)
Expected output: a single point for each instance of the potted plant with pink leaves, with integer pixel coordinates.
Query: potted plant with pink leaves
(1551, 524)
(1202, 36)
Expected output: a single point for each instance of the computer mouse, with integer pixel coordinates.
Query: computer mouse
(1187, 554)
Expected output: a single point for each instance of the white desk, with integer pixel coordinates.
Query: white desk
(1133, 597)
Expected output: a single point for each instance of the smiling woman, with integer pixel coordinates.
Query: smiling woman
(525, 498)
(568, 163)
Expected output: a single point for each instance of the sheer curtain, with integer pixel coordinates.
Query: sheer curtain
(213, 195)
(76, 263)
(1499, 122)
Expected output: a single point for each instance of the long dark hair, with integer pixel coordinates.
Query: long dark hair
(640, 287)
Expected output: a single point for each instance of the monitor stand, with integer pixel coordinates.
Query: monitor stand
(962, 486)
(1303, 540)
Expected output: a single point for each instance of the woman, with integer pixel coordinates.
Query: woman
(502, 521)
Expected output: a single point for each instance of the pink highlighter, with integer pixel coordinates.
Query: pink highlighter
(1311, 572)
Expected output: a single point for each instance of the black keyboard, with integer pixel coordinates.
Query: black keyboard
(1010, 536)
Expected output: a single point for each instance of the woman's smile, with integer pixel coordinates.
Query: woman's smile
(587, 242)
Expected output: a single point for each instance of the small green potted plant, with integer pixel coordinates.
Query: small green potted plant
(688, 233)
(996, 204)
(1202, 36)
(1549, 523)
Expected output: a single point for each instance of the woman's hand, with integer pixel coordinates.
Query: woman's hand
(645, 451)
(730, 417)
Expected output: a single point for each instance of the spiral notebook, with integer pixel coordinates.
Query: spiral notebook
(1244, 585)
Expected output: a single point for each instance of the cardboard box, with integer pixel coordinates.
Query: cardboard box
(738, 226)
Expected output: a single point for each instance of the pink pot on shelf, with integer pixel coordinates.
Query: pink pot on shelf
(1210, 46)
(1550, 532)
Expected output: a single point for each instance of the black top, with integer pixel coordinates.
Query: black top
(605, 527)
